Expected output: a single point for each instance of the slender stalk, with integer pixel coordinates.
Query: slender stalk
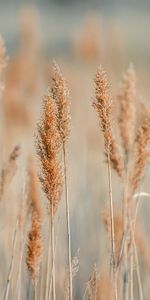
(113, 259)
(131, 274)
(134, 248)
(35, 291)
(53, 255)
(133, 245)
(12, 262)
(51, 275)
(48, 263)
(68, 226)
(126, 277)
(125, 229)
(113, 251)
(85, 292)
(141, 297)
(42, 277)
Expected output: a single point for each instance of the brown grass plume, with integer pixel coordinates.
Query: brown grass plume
(103, 105)
(127, 109)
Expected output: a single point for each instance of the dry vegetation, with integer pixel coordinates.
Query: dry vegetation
(42, 201)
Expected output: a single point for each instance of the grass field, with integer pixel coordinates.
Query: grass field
(74, 190)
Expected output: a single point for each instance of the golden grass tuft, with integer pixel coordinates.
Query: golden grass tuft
(126, 100)
(103, 106)
(35, 243)
(60, 93)
(34, 247)
(48, 149)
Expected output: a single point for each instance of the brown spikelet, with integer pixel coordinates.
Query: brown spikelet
(142, 153)
(103, 105)
(61, 95)
(48, 148)
(127, 109)
(34, 247)
(9, 169)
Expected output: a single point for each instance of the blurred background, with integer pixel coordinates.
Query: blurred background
(79, 35)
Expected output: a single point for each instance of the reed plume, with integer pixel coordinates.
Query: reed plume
(126, 99)
(103, 106)
(61, 95)
(49, 148)
(34, 252)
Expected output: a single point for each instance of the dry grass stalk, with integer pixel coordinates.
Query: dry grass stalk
(103, 106)
(61, 95)
(23, 222)
(49, 147)
(9, 170)
(118, 227)
(11, 267)
(127, 109)
(138, 240)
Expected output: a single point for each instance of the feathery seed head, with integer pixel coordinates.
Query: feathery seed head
(61, 95)
(127, 108)
(103, 106)
(48, 148)
(34, 247)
